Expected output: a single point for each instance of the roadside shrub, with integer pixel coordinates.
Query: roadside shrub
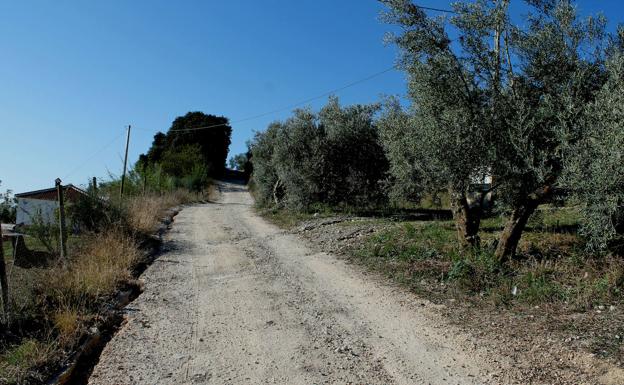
(333, 157)
(267, 188)
(90, 213)
(47, 234)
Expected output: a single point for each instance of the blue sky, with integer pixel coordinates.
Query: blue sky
(74, 74)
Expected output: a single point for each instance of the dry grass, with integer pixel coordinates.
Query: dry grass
(17, 362)
(95, 269)
(69, 325)
(144, 212)
(66, 298)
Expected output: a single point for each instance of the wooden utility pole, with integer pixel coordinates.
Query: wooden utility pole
(63, 232)
(4, 282)
(94, 186)
(123, 176)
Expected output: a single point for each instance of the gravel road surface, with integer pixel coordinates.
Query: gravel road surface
(236, 300)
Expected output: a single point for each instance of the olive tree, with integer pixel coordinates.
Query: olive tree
(354, 162)
(266, 182)
(595, 172)
(442, 141)
(503, 100)
(332, 157)
(299, 153)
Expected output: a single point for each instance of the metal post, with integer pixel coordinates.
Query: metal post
(63, 232)
(4, 282)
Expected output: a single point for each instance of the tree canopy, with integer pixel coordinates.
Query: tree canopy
(194, 148)
(594, 173)
(331, 157)
(504, 100)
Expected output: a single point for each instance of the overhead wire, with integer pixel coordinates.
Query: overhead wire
(293, 105)
(99, 151)
(435, 9)
(356, 82)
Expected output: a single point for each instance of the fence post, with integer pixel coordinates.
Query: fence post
(63, 232)
(4, 283)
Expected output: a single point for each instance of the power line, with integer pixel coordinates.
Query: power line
(82, 164)
(293, 105)
(434, 9)
(356, 82)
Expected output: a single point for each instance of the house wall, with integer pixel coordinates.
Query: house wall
(28, 209)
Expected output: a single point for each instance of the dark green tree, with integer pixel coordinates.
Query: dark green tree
(8, 207)
(208, 134)
(238, 162)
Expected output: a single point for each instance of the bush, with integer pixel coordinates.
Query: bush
(90, 213)
(47, 234)
(333, 157)
(266, 183)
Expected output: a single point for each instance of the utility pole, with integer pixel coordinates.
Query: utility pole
(4, 283)
(63, 232)
(123, 176)
(94, 186)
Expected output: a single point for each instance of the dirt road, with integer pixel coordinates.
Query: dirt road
(236, 300)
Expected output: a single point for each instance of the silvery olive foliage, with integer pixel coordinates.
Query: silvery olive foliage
(596, 170)
(502, 99)
(265, 179)
(441, 135)
(331, 157)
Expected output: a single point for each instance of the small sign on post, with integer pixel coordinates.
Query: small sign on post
(63, 232)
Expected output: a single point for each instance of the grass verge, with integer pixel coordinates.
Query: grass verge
(53, 306)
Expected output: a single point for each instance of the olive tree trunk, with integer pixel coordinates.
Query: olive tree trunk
(510, 237)
(467, 219)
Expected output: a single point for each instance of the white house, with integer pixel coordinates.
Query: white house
(43, 203)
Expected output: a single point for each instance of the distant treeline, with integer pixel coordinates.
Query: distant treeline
(507, 117)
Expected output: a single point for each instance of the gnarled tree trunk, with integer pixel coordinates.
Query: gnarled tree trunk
(467, 219)
(510, 237)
